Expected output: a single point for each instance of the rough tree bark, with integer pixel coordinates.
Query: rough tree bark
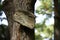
(57, 19)
(18, 31)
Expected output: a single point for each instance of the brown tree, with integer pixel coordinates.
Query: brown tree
(57, 19)
(20, 18)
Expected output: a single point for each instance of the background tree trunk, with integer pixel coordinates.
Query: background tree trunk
(17, 31)
(57, 20)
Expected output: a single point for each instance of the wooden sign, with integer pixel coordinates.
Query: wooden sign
(25, 18)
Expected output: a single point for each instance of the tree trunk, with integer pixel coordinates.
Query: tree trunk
(57, 19)
(18, 31)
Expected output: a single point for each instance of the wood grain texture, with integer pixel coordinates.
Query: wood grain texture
(25, 18)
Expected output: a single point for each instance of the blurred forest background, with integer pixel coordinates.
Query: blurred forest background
(44, 25)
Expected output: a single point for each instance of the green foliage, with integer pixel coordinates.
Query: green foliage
(1, 7)
(3, 32)
(38, 37)
(45, 7)
(42, 28)
(58, 1)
